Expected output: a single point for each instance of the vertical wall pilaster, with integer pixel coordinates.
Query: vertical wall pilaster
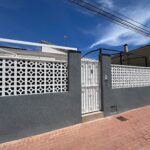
(74, 68)
(108, 105)
(74, 73)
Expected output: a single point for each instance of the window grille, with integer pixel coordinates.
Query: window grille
(24, 77)
(124, 76)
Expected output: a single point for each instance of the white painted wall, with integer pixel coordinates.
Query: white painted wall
(52, 50)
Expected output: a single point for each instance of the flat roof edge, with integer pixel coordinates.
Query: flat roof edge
(36, 44)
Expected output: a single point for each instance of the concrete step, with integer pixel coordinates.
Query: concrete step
(92, 116)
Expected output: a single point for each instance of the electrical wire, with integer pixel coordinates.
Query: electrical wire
(113, 18)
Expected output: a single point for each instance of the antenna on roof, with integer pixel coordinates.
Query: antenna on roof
(44, 42)
(66, 37)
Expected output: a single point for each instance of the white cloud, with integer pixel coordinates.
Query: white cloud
(106, 3)
(115, 35)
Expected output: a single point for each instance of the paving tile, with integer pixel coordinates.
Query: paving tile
(103, 134)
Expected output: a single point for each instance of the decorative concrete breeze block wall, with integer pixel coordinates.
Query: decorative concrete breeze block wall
(38, 97)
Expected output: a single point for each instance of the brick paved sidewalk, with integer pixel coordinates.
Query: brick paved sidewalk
(105, 134)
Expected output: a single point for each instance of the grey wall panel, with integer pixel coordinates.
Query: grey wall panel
(22, 116)
(131, 98)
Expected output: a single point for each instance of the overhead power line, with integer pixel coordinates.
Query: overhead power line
(122, 16)
(113, 16)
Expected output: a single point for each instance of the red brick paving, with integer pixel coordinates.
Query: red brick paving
(104, 134)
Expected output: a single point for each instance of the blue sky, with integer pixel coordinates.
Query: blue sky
(36, 20)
